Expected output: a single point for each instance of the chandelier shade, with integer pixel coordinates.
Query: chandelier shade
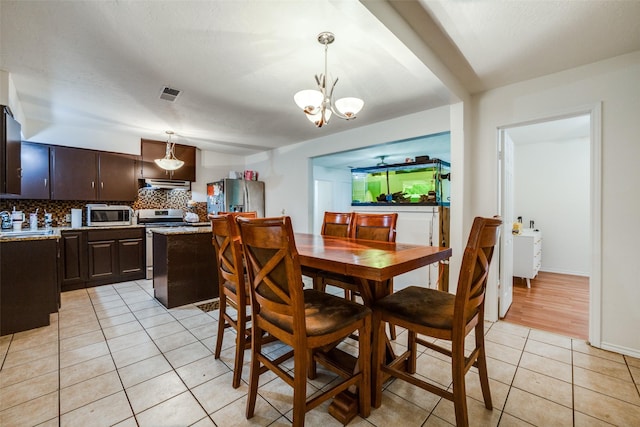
(169, 161)
(318, 104)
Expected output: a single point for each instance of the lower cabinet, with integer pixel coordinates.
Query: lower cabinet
(28, 287)
(100, 257)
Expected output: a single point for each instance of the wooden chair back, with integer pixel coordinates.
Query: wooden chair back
(472, 283)
(372, 226)
(337, 224)
(274, 273)
(228, 249)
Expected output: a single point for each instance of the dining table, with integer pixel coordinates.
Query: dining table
(374, 264)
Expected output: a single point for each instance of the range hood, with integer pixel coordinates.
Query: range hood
(167, 184)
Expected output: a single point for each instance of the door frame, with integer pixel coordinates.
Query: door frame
(595, 190)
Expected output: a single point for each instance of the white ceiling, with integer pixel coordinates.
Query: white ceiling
(102, 64)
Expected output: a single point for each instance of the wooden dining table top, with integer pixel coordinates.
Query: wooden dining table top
(366, 259)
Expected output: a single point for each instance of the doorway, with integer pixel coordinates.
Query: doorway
(549, 176)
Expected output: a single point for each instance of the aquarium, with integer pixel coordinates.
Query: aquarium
(424, 183)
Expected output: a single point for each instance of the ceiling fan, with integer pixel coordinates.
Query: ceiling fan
(381, 162)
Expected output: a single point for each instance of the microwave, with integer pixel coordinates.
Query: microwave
(106, 216)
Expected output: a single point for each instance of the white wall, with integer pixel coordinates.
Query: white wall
(552, 188)
(614, 83)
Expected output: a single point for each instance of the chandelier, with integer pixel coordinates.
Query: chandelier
(169, 162)
(318, 104)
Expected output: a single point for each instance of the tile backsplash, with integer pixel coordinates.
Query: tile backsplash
(147, 199)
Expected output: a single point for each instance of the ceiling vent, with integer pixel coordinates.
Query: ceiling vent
(169, 94)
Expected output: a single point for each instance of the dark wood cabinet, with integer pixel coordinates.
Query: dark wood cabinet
(73, 260)
(35, 172)
(79, 174)
(10, 147)
(152, 150)
(28, 287)
(101, 256)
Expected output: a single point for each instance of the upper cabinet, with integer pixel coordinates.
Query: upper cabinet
(78, 174)
(10, 163)
(152, 150)
(35, 172)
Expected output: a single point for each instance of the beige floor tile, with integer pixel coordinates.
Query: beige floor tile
(180, 410)
(602, 366)
(185, 311)
(549, 351)
(129, 422)
(536, 410)
(143, 305)
(202, 370)
(112, 311)
(635, 373)
(117, 320)
(83, 340)
(499, 370)
(160, 319)
(264, 414)
(27, 390)
(5, 340)
(31, 413)
(542, 365)
(79, 328)
(149, 311)
(206, 331)
(511, 328)
(499, 391)
(104, 412)
(83, 354)
(125, 341)
(582, 347)
(217, 393)
(34, 338)
(583, 420)
(605, 408)
(187, 354)
(177, 340)
(413, 394)
(193, 322)
(25, 371)
(205, 422)
(143, 370)
(135, 354)
(632, 361)
(502, 352)
(551, 338)
(170, 328)
(15, 358)
(507, 420)
(479, 416)
(544, 386)
(404, 413)
(435, 421)
(54, 422)
(122, 329)
(89, 391)
(614, 387)
(434, 369)
(504, 338)
(86, 370)
(151, 392)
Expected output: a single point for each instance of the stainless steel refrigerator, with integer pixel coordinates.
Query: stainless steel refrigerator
(235, 195)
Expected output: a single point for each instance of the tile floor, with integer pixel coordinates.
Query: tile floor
(115, 356)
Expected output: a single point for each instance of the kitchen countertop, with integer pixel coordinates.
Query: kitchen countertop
(187, 229)
(55, 233)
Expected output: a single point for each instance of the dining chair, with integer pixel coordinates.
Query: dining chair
(366, 226)
(306, 320)
(337, 224)
(444, 316)
(233, 286)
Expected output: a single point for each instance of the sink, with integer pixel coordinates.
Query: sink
(25, 233)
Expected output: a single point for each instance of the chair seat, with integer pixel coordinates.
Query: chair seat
(324, 314)
(420, 306)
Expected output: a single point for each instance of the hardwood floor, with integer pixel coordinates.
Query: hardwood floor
(556, 303)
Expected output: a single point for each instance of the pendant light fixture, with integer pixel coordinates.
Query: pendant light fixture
(318, 104)
(169, 162)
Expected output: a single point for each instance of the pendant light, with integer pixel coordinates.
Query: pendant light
(169, 162)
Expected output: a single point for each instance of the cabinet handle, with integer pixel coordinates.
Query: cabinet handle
(45, 183)
(93, 184)
(101, 184)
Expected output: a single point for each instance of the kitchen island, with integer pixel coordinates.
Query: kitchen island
(184, 268)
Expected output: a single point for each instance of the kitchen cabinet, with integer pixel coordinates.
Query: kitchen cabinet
(152, 150)
(79, 174)
(35, 172)
(73, 260)
(527, 254)
(10, 147)
(28, 288)
(102, 256)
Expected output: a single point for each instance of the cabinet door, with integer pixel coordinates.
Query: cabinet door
(10, 147)
(102, 260)
(152, 150)
(73, 263)
(131, 257)
(74, 174)
(117, 177)
(35, 171)
(188, 155)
